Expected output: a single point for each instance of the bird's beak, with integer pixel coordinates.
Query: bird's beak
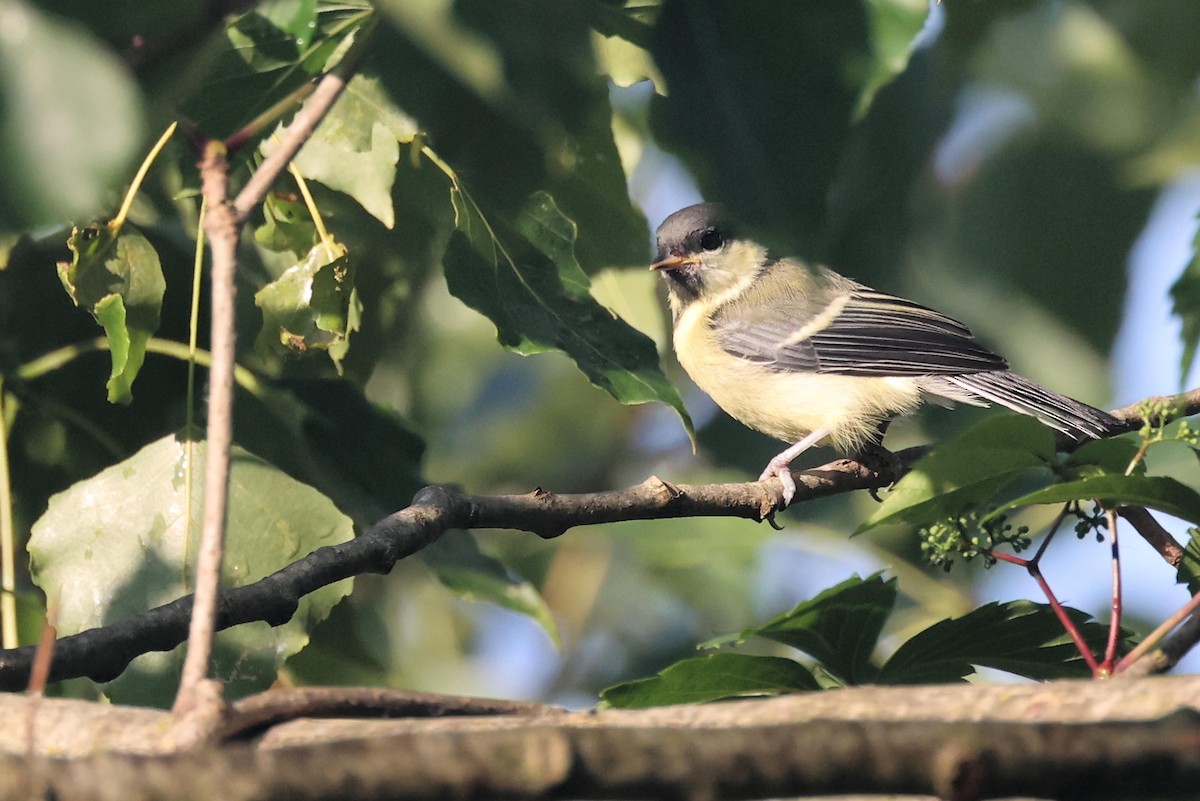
(672, 263)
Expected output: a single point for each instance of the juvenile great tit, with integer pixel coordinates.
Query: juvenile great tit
(810, 357)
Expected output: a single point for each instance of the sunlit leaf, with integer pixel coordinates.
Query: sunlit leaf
(313, 306)
(1156, 492)
(969, 470)
(120, 281)
(125, 541)
(355, 148)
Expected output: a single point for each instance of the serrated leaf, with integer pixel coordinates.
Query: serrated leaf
(839, 627)
(969, 471)
(1019, 637)
(70, 124)
(528, 283)
(460, 565)
(120, 281)
(124, 541)
(313, 306)
(1157, 492)
(712, 678)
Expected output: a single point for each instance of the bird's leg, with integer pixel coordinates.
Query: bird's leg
(778, 467)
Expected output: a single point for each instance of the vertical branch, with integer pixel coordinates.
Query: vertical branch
(8, 540)
(1114, 625)
(222, 228)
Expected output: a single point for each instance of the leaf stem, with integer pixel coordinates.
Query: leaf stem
(49, 362)
(127, 203)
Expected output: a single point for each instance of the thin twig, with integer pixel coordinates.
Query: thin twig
(1114, 624)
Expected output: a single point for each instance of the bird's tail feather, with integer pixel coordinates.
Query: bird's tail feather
(1064, 414)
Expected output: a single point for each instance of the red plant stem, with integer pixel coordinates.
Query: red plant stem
(1064, 619)
(1153, 638)
(1114, 625)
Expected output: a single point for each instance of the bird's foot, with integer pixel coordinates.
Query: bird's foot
(882, 462)
(779, 469)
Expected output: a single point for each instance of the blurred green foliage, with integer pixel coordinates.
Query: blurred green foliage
(995, 160)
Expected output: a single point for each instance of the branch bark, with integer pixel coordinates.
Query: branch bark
(1064, 740)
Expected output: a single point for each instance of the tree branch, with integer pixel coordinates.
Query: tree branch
(103, 653)
(1061, 740)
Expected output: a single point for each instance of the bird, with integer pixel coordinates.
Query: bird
(810, 357)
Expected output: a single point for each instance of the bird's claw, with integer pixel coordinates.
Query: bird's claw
(788, 483)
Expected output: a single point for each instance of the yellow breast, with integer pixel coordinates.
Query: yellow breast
(789, 405)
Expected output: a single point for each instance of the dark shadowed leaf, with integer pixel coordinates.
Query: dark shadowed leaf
(760, 100)
(1185, 295)
(839, 627)
(712, 678)
(529, 284)
(1018, 637)
(1189, 566)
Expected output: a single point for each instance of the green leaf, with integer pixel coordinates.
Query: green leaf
(1185, 297)
(124, 541)
(894, 27)
(712, 678)
(356, 147)
(839, 627)
(1105, 456)
(70, 124)
(1157, 492)
(760, 100)
(360, 454)
(1189, 566)
(484, 79)
(297, 17)
(529, 284)
(120, 281)
(460, 565)
(1019, 637)
(287, 226)
(313, 306)
(969, 471)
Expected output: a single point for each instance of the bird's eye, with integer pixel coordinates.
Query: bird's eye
(711, 240)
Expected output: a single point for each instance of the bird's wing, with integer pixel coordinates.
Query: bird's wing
(850, 329)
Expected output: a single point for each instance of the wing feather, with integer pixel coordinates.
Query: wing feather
(866, 333)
